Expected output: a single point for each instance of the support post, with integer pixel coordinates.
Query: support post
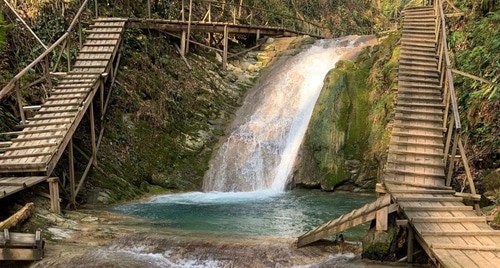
(451, 164)
(68, 51)
(149, 9)
(20, 103)
(92, 133)
(226, 42)
(55, 207)
(46, 70)
(183, 43)
(71, 167)
(410, 249)
(258, 35)
(96, 9)
(381, 219)
(189, 26)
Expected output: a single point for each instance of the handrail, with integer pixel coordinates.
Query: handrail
(453, 137)
(12, 83)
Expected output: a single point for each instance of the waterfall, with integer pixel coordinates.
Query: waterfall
(264, 140)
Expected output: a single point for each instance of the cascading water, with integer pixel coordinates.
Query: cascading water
(260, 152)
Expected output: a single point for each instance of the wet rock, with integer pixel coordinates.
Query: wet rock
(89, 219)
(59, 233)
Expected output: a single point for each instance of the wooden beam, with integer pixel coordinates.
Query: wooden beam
(382, 219)
(462, 233)
(411, 241)
(92, 133)
(447, 219)
(465, 247)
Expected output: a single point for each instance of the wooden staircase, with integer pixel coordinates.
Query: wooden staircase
(450, 232)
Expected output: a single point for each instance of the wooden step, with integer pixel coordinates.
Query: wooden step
(427, 32)
(426, 163)
(421, 191)
(417, 85)
(407, 172)
(448, 219)
(79, 96)
(438, 208)
(406, 152)
(422, 38)
(419, 127)
(106, 31)
(407, 62)
(56, 93)
(428, 199)
(418, 53)
(58, 111)
(77, 81)
(45, 117)
(419, 111)
(462, 233)
(416, 135)
(71, 86)
(109, 38)
(62, 104)
(454, 246)
(416, 104)
(36, 131)
(27, 147)
(409, 19)
(424, 72)
(419, 185)
(414, 42)
(403, 143)
(9, 157)
(420, 15)
(410, 46)
(420, 92)
(408, 78)
(419, 27)
(98, 45)
(411, 58)
(44, 124)
(417, 97)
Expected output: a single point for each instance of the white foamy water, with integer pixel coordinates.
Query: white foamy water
(213, 197)
(261, 149)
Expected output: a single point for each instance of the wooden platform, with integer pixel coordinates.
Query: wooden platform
(20, 246)
(12, 185)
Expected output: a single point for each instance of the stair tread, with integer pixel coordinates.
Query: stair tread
(414, 104)
(416, 135)
(410, 152)
(416, 85)
(407, 62)
(431, 144)
(436, 163)
(419, 91)
(420, 127)
(418, 58)
(420, 173)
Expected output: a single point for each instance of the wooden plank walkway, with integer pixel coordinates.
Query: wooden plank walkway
(44, 137)
(450, 232)
(215, 27)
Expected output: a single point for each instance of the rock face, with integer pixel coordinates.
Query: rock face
(348, 134)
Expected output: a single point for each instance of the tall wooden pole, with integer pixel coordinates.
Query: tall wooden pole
(189, 25)
(226, 42)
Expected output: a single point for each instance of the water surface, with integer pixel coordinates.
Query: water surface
(260, 213)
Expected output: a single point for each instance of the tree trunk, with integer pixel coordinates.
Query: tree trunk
(20, 216)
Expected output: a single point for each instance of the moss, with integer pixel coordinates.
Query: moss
(348, 133)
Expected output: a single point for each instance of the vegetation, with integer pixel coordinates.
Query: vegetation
(475, 44)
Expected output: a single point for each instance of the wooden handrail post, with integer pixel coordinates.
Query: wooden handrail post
(19, 102)
(80, 35)
(46, 72)
(71, 171)
(183, 17)
(209, 12)
(68, 51)
(96, 9)
(468, 172)
(234, 14)
(451, 164)
(448, 140)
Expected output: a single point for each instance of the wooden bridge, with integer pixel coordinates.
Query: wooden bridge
(82, 87)
(419, 170)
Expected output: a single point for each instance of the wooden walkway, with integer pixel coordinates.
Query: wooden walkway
(44, 137)
(450, 232)
(216, 27)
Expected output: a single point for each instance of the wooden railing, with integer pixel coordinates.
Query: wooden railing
(48, 62)
(451, 115)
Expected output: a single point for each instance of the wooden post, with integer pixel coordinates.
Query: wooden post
(20, 103)
(226, 42)
(183, 43)
(411, 238)
(381, 219)
(149, 9)
(71, 167)
(46, 71)
(68, 51)
(55, 207)
(96, 9)
(101, 87)
(448, 140)
(183, 17)
(189, 25)
(451, 164)
(234, 14)
(92, 133)
(209, 12)
(258, 35)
